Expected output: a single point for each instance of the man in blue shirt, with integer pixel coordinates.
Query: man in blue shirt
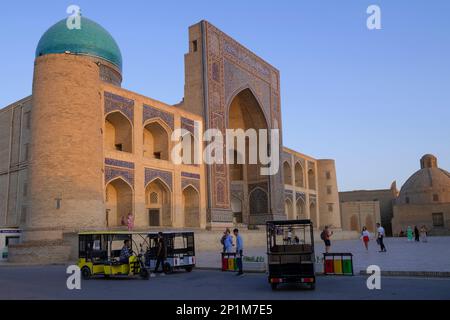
(239, 250)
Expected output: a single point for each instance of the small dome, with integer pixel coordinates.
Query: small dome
(92, 39)
(428, 185)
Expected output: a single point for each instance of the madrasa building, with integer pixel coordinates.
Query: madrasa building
(81, 152)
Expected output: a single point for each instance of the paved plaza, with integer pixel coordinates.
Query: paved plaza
(402, 255)
(50, 283)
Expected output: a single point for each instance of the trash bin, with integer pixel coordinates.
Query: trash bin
(229, 261)
(338, 264)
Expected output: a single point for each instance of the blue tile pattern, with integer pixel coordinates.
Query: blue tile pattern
(190, 175)
(114, 102)
(151, 174)
(119, 163)
(153, 113)
(112, 173)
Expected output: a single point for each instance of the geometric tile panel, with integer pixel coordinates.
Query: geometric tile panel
(114, 102)
(119, 163)
(112, 173)
(153, 113)
(151, 174)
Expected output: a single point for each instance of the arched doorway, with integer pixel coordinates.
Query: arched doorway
(300, 208)
(118, 133)
(119, 202)
(289, 209)
(299, 182)
(258, 202)
(158, 204)
(191, 207)
(311, 179)
(156, 141)
(236, 207)
(246, 113)
(287, 173)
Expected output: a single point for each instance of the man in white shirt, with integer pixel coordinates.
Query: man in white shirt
(380, 237)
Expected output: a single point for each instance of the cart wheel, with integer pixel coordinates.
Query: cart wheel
(274, 286)
(188, 269)
(145, 275)
(167, 268)
(86, 273)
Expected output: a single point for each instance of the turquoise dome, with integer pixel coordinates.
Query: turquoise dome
(92, 39)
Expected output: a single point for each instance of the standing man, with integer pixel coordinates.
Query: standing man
(160, 252)
(228, 242)
(325, 236)
(380, 237)
(239, 251)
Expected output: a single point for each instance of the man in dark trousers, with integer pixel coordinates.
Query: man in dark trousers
(239, 251)
(160, 252)
(380, 237)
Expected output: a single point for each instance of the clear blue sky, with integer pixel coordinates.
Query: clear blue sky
(375, 101)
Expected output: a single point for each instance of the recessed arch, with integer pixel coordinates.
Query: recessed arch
(191, 207)
(118, 135)
(159, 211)
(259, 201)
(156, 140)
(312, 179)
(287, 173)
(300, 209)
(289, 208)
(299, 175)
(118, 201)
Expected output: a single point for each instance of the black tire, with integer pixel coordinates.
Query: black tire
(274, 286)
(86, 273)
(189, 269)
(145, 275)
(167, 268)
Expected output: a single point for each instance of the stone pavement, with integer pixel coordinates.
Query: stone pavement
(401, 255)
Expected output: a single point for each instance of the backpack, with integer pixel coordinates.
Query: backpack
(322, 235)
(222, 240)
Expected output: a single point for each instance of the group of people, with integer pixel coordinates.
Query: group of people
(228, 247)
(416, 234)
(365, 237)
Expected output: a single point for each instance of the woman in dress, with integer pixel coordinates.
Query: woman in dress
(365, 237)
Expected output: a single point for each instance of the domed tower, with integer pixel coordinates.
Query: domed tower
(424, 199)
(66, 164)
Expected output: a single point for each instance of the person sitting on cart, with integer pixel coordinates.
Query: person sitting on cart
(160, 252)
(126, 252)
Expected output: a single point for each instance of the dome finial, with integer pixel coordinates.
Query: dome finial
(428, 161)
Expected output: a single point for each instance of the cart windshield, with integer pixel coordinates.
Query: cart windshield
(290, 237)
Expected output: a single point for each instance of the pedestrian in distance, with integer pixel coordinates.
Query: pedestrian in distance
(416, 234)
(160, 252)
(409, 234)
(365, 237)
(228, 243)
(239, 251)
(380, 237)
(325, 236)
(423, 234)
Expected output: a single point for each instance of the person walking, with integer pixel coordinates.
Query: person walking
(380, 237)
(160, 252)
(409, 234)
(423, 234)
(325, 236)
(365, 236)
(239, 251)
(130, 222)
(416, 234)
